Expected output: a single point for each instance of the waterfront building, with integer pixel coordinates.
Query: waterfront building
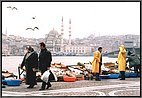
(5, 49)
(4, 36)
(78, 49)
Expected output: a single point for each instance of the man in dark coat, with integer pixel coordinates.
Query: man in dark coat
(30, 62)
(134, 61)
(45, 59)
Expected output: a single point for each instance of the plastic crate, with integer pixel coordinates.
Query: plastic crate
(69, 79)
(113, 76)
(4, 82)
(139, 75)
(127, 74)
(104, 76)
(15, 82)
(133, 75)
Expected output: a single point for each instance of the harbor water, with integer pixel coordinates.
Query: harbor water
(11, 63)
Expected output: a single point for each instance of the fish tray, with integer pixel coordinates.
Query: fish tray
(15, 82)
(109, 64)
(80, 78)
(113, 76)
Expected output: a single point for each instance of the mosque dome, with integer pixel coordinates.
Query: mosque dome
(53, 33)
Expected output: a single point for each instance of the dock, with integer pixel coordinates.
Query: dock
(105, 87)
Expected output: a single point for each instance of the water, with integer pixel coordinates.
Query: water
(11, 63)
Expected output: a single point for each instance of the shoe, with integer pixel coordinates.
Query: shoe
(122, 79)
(42, 89)
(98, 79)
(48, 86)
(31, 86)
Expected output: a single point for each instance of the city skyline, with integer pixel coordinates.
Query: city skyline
(99, 18)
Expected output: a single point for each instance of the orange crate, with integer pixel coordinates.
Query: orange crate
(69, 79)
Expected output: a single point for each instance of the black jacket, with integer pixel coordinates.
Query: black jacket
(133, 60)
(30, 63)
(45, 59)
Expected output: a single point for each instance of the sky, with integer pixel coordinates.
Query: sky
(98, 18)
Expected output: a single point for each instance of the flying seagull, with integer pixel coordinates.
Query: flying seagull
(12, 8)
(33, 28)
(9, 7)
(33, 17)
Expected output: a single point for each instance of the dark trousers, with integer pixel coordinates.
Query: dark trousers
(98, 74)
(44, 83)
(122, 75)
(99, 69)
(136, 68)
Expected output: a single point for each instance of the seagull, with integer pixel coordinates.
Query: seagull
(9, 7)
(33, 28)
(12, 8)
(33, 17)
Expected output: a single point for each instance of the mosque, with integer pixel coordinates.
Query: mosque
(56, 43)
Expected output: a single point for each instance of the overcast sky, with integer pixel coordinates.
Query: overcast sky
(101, 18)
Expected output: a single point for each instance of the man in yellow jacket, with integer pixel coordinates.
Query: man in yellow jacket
(96, 63)
(122, 61)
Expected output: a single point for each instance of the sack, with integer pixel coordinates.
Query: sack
(45, 76)
(52, 76)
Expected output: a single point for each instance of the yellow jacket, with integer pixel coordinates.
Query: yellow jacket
(95, 62)
(122, 58)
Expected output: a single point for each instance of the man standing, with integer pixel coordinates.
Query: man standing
(122, 61)
(45, 59)
(96, 63)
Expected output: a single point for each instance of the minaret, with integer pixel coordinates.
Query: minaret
(62, 27)
(70, 32)
(62, 33)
